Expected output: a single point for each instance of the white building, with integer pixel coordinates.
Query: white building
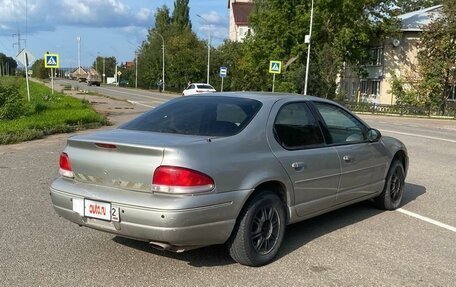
(239, 19)
(396, 55)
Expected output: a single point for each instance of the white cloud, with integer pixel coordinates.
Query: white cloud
(46, 15)
(214, 23)
(212, 18)
(144, 14)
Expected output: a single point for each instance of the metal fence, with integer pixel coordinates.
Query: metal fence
(401, 109)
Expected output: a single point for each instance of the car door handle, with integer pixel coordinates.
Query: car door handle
(299, 166)
(347, 158)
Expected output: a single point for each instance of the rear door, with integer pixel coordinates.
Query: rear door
(297, 141)
(363, 163)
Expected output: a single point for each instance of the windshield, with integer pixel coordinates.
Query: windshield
(202, 115)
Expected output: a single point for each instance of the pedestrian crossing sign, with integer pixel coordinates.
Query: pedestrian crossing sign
(51, 61)
(275, 67)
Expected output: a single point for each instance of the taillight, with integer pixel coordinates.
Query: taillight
(65, 166)
(174, 179)
(105, 145)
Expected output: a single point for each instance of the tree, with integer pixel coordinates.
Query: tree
(184, 52)
(343, 31)
(230, 55)
(437, 57)
(109, 65)
(181, 12)
(7, 65)
(406, 6)
(39, 71)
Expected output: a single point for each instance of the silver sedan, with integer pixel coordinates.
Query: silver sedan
(231, 168)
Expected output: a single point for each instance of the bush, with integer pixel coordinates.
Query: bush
(39, 107)
(11, 103)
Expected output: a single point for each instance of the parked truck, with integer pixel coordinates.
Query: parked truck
(93, 78)
(79, 74)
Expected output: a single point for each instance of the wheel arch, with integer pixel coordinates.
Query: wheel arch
(401, 156)
(275, 186)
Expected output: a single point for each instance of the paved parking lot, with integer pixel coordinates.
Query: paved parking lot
(357, 245)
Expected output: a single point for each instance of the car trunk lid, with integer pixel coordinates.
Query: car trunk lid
(121, 158)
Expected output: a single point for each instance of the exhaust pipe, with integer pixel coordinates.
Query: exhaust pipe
(167, 247)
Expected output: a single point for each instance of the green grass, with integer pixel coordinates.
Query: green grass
(46, 114)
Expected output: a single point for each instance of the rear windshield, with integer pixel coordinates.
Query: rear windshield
(205, 87)
(202, 115)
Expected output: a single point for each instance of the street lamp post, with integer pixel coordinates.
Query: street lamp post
(308, 49)
(208, 49)
(96, 62)
(163, 60)
(104, 71)
(79, 51)
(136, 69)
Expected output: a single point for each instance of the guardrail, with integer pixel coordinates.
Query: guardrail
(402, 110)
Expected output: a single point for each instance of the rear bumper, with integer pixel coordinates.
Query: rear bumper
(185, 221)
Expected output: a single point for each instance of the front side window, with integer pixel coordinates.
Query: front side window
(342, 127)
(202, 116)
(295, 127)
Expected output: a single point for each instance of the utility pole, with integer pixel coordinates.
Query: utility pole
(308, 48)
(208, 49)
(163, 60)
(18, 43)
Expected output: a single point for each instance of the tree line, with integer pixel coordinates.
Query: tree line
(7, 65)
(343, 32)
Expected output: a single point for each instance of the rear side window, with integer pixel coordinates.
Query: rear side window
(295, 127)
(203, 116)
(205, 87)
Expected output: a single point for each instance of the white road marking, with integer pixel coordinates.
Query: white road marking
(141, 104)
(420, 136)
(133, 94)
(432, 221)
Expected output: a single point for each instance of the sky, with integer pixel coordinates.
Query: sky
(105, 27)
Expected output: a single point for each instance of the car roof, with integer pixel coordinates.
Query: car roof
(200, 84)
(268, 96)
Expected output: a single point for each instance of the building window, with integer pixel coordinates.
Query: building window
(375, 88)
(370, 87)
(452, 95)
(243, 31)
(364, 87)
(376, 56)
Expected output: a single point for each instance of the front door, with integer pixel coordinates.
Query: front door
(363, 163)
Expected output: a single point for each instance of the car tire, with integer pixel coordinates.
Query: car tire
(259, 231)
(391, 196)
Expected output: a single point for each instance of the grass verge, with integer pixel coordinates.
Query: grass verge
(47, 114)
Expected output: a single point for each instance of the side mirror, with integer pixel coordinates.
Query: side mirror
(373, 135)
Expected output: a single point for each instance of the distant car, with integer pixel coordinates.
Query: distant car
(232, 168)
(123, 83)
(198, 88)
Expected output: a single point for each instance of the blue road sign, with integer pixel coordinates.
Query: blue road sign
(51, 61)
(223, 72)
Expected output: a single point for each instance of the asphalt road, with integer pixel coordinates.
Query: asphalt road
(357, 245)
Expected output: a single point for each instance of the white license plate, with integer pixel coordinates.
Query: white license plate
(97, 209)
